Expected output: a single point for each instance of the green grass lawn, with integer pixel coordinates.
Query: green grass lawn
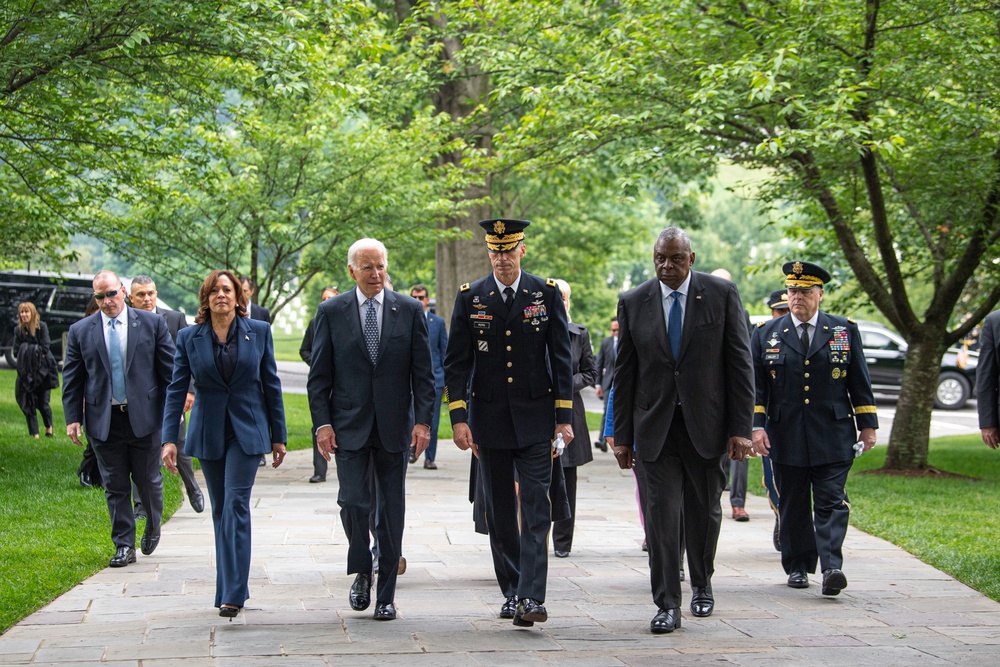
(54, 533)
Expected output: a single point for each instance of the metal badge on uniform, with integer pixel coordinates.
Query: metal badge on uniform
(536, 295)
(534, 321)
(774, 374)
(774, 339)
(477, 305)
(484, 346)
(475, 299)
(835, 373)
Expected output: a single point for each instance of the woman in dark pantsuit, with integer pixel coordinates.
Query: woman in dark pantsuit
(237, 417)
(35, 368)
(578, 451)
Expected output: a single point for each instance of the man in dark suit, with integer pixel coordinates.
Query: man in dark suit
(370, 362)
(683, 398)
(257, 312)
(439, 347)
(814, 396)
(509, 379)
(606, 374)
(988, 380)
(143, 297)
(118, 365)
(305, 351)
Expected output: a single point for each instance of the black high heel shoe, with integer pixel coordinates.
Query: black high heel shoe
(228, 611)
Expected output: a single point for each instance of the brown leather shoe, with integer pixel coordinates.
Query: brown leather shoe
(740, 514)
(402, 565)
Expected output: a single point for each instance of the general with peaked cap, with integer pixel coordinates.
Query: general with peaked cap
(507, 330)
(813, 403)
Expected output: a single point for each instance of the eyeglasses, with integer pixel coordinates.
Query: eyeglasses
(420, 297)
(110, 294)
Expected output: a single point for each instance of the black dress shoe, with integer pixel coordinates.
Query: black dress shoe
(197, 502)
(385, 611)
(509, 607)
(430, 465)
(150, 540)
(601, 445)
(361, 592)
(413, 455)
(140, 513)
(798, 580)
(229, 611)
(776, 535)
(666, 620)
(123, 557)
(316, 479)
(529, 612)
(645, 547)
(834, 581)
(561, 554)
(702, 601)
(85, 480)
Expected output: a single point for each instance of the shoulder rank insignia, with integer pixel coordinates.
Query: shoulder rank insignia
(551, 282)
(760, 324)
(851, 321)
(464, 288)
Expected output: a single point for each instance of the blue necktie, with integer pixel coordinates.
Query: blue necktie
(674, 325)
(117, 364)
(371, 330)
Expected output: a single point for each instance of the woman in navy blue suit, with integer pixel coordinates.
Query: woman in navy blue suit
(237, 417)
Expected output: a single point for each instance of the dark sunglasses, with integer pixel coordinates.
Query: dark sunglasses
(110, 294)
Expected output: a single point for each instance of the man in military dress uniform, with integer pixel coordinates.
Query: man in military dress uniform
(508, 402)
(813, 397)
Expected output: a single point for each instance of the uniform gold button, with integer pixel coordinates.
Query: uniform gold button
(508, 348)
(807, 387)
(807, 375)
(509, 380)
(807, 401)
(508, 332)
(537, 329)
(807, 361)
(509, 364)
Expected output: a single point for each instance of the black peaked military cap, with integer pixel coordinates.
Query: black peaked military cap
(503, 233)
(778, 299)
(804, 275)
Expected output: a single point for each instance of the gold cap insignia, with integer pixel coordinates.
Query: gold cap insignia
(499, 227)
(797, 268)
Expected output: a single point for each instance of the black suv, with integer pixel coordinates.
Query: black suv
(60, 300)
(885, 352)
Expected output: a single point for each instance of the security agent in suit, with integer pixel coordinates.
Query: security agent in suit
(509, 379)
(439, 347)
(370, 362)
(305, 351)
(257, 312)
(683, 398)
(143, 296)
(988, 380)
(606, 374)
(119, 400)
(813, 397)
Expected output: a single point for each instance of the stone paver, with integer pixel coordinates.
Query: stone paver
(158, 612)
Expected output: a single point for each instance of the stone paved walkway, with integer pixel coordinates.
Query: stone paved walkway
(158, 612)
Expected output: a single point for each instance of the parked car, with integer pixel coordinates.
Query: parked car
(60, 300)
(885, 354)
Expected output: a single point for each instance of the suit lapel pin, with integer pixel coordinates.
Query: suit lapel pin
(135, 324)
(697, 297)
(246, 337)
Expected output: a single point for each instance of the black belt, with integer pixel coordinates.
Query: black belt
(121, 407)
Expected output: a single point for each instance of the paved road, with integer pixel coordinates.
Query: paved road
(158, 612)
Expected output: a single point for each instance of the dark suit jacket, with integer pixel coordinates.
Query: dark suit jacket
(251, 399)
(988, 372)
(87, 374)
(606, 365)
(712, 378)
(350, 393)
(579, 451)
(260, 313)
(306, 348)
(175, 321)
(439, 347)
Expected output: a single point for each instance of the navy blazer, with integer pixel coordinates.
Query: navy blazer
(252, 397)
(87, 374)
(439, 347)
(350, 393)
(712, 378)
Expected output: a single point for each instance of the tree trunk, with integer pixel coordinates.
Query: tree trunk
(911, 426)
